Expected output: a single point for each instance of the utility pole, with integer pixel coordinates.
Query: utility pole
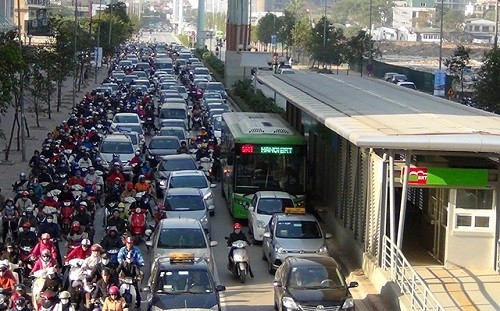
(110, 20)
(75, 57)
(324, 27)
(21, 87)
(441, 36)
(98, 39)
(495, 40)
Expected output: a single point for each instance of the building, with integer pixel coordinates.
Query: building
(7, 18)
(482, 30)
(413, 13)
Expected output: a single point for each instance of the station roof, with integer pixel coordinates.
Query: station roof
(373, 113)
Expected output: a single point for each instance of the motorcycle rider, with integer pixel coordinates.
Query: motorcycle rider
(112, 240)
(50, 227)
(85, 161)
(143, 202)
(142, 185)
(94, 258)
(21, 184)
(114, 302)
(236, 235)
(80, 252)
(76, 234)
(101, 291)
(45, 243)
(77, 179)
(11, 254)
(116, 175)
(128, 192)
(137, 159)
(26, 237)
(7, 280)
(114, 191)
(85, 219)
(53, 281)
(18, 296)
(128, 268)
(28, 216)
(66, 195)
(134, 251)
(23, 202)
(10, 219)
(94, 178)
(45, 261)
(64, 302)
(116, 221)
(37, 189)
(183, 148)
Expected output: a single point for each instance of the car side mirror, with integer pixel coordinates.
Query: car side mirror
(250, 208)
(213, 243)
(328, 235)
(149, 243)
(220, 288)
(146, 289)
(267, 235)
(277, 284)
(211, 208)
(353, 285)
(213, 185)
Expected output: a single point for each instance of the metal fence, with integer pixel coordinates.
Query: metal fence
(409, 282)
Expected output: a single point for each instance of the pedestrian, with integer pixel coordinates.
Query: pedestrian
(86, 77)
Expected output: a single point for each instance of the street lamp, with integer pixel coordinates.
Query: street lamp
(441, 36)
(495, 40)
(21, 87)
(98, 39)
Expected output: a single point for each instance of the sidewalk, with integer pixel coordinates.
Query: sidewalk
(10, 171)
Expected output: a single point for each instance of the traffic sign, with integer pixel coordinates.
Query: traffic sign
(451, 92)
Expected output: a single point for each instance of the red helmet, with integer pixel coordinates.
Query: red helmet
(237, 226)
(130, 186)
(113, 290)
(26, 224)
(76, 226)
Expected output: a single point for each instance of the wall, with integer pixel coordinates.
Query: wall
(471, 250)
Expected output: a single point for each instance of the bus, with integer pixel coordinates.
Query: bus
(260, 151)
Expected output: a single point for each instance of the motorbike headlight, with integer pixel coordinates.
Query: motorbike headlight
(348, 303)
(260, 224)
(279, 249)
(322, 250)
(289, 303)
(151, 157)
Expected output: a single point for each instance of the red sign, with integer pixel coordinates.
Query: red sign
(416, 176)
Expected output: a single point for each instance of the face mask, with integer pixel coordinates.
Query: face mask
(45, 258)
(50, 220)
(105, 261)
(237, 231)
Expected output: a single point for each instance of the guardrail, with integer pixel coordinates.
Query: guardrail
(498, 256)
(409, 282)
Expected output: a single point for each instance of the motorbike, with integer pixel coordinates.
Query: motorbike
(76, 190)
(205, 165)
(110, 206)
(66, 216)
(149, 125)
(26, 260)
(197, 123)
(9, 221)
(127, 289)
(239, 264)
(4, 300)
(138, 222)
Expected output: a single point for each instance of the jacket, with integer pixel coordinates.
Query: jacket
(114, 305)
(101, 289)
(40, 264)
(78, 253)
(8, 282)
(136, 255)
(37, 251)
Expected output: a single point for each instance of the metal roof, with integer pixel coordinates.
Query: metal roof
(372, 113)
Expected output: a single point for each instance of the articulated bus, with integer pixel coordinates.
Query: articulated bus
(260, 151)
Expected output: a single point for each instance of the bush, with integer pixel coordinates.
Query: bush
(215, 65)
(248, 100)
(184, 39)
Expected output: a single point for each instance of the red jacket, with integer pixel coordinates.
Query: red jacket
(76, 180)
(111, 178)
(78, 253)
(49, 201)
(39, 264)
(37, 251)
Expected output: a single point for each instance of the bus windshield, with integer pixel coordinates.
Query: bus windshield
(257, 172)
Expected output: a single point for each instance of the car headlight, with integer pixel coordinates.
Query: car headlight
(322, 250)
(260, 224)
(289, 303)
(204, 219)
(279, 249)
(348, 303)
(208, 196)
(151, 157)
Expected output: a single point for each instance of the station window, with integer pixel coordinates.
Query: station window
(474, 209)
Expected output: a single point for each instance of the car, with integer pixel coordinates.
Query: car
(292, 233)
(173, 123)
(192, 179)
(218, 87)
(115, 88)
(182, 91)
(174, 131)
(135, 138)
(127, 79)
(398, 78)
(407, 84)
(172, 163)
(126, 117)
(188, 203)
(388, 76)
(160, 146)
(183, 235)
(182, 282)
(216, 123)
(119, 144)
(286, 71)
(128, 127)
(312, 283)
(264, 205)
(211, 95)
(103, 90)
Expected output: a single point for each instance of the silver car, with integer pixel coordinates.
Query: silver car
(181, 235)
(188, 203)
(292, 235)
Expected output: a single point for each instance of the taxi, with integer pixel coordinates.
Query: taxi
(292, 233)
(181, 281)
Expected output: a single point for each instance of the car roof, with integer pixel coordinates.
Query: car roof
(273, 194)
(307, 217)
(174, 104)
(180, 223)
(182, 156)
(187, 173)
(200, 264)
(165, 137)
(117, 137)
(184, 191)
(126, 114)
(173, 128)
(324, 261)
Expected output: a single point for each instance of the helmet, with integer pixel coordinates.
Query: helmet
(130, 186)
(83, 204)
(64, 295)
(121, 205)
(129, 240)
(142, 176)
(20, 287)
(112, 228)
(85, 242)
(22, 176)
(96, 248)
(237, 226)
(75, 225)
(45, 236)
(113, 290)
(45, 252)
(29, 209)
(24, 193)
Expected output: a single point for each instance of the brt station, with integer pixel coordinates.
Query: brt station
(397, 175)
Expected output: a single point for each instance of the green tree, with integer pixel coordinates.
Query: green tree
(359, 47)
(356, 12)
(302, 35)
(327, 49)
(453, 20)
(486, 93)
(266, 27)
(298, 7)
(456, 63)
(284, 33)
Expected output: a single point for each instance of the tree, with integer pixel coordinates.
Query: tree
(457, 62)
(327, 49)
(284, 33)
(298, 7)
(302, 35)
(359, 47)
(486, 93)
(267, 27)
(453, 20)
(355, 13)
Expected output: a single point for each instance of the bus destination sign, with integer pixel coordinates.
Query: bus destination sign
(268, 149)
(276, 150)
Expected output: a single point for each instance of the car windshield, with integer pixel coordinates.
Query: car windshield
(117, 147)
(298, 229)
(172, 132)
(126, 119)
(315, 277)
(194, 281)
(201, 71)
(408, 85)
(177, 165)
(217, 124)
(173, 114)
(173, 123)
(180, 203)
(193, 181)
(163, 143)
(130, 128)
(269, 206)
(179, 238)
(133, 138)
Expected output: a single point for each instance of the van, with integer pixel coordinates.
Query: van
(174, 110)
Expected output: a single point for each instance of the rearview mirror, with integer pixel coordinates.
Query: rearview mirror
(267, 235)
(220, 288)
(213, 185)
(211, 208)
(149, 243)
(277, 284)
(353, 285)
(213, 243)
(328, 235)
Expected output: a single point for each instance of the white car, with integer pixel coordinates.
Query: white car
(126, 117)
(264, 205)
(407, 84)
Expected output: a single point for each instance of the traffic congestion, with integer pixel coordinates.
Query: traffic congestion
(122, 207)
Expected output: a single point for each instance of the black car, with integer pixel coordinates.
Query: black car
(172, 163)
(160, 146)
(311, 283)
(181, 281)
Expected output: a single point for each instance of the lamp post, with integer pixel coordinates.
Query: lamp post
(21, 87)
(110, 20)
(98, 39)
(324, 27)
(495, 40)
(441, 36)
(75, 58)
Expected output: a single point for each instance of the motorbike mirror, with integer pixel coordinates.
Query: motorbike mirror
(220, 288)
(146, 289)
(328, 235)
(353, 285)
(213, 185)
(213, 243)
(277, 284)
(226, 237)
(149, 243)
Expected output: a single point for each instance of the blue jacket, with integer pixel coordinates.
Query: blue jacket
(136, 255)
